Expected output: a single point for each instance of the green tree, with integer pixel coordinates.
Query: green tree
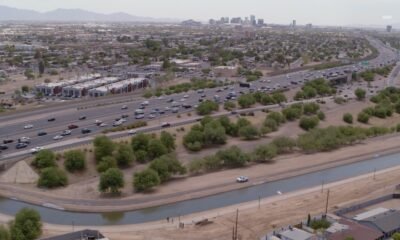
(249, 132)
(321, 115)
(265, 153)
(26, 226)
(214, 134)
(103, 146)
(167, 140)
(207, 107)
(284, 144)
(25, 89)
(145, 180)
(106, 163)
(308, 123)
(156, 149)
(167, 166)
(232, 157)
(348, 118)
(229, 105)
(310, 108)
(75, 160)
(194, 140)
(52, 177)
(111, 181)
(360, 93)
(125, 156)
(279, 97)
(44, 159)
(246, 100)
(396, 236)
(4, 233)
(363, 117)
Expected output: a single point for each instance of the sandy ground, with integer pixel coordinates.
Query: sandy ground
(20, 173)
(254, 220)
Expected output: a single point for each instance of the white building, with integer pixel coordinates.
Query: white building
(49, 89)
(82, 89)
(124, 86)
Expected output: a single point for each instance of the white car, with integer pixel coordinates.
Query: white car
(36, 150)
(132, 132)
(103, 125)
(29, 126)
(124, 107)
(58, 137)
(117, 123)
(242, 179)
(186, 96)
(98, 122)
(151, 116)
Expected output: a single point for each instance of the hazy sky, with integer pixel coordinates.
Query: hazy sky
(330, 12)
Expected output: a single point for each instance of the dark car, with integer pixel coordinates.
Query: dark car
(42, 133)
(3, 147)
(86, 131)
(7, 141)
(82, 117)
(72, 126)
(125, 116)
(51, 119)
(165, 125)
(21, 145)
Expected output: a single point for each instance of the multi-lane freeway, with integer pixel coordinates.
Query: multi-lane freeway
(84, 113)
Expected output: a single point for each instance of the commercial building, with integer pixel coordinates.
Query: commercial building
(124, 86)
(52, 89)
(82, 89)
(387, 222)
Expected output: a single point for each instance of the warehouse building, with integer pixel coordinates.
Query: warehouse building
(124, 86)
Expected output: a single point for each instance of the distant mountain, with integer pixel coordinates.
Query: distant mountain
(72, 15)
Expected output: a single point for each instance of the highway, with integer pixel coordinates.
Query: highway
(109, 108)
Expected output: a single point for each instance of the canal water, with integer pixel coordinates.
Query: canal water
(11, 207)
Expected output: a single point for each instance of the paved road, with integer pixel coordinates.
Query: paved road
(109, 108)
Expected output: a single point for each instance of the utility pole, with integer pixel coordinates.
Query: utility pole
(327, 202)
(322, 186)
(236, 225)
(259, 202)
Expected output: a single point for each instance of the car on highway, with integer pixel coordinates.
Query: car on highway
(58, 137)
(7, 141)
(86, 131)
(165, 124)
(140, 116)
(145, 103)
(98, 122)
(151, 116)
(117, 123)
(82, 118)
(242, 179)
(72, 126)
(175, 110)
(66, 133)
(21, 145)
(51, 119)
(103, 125)
(124, 116)
(24, 140)
(29, 126)
(3, 147)
(42, 133)
(125, 107)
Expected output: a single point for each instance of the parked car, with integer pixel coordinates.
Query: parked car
(51, 119)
